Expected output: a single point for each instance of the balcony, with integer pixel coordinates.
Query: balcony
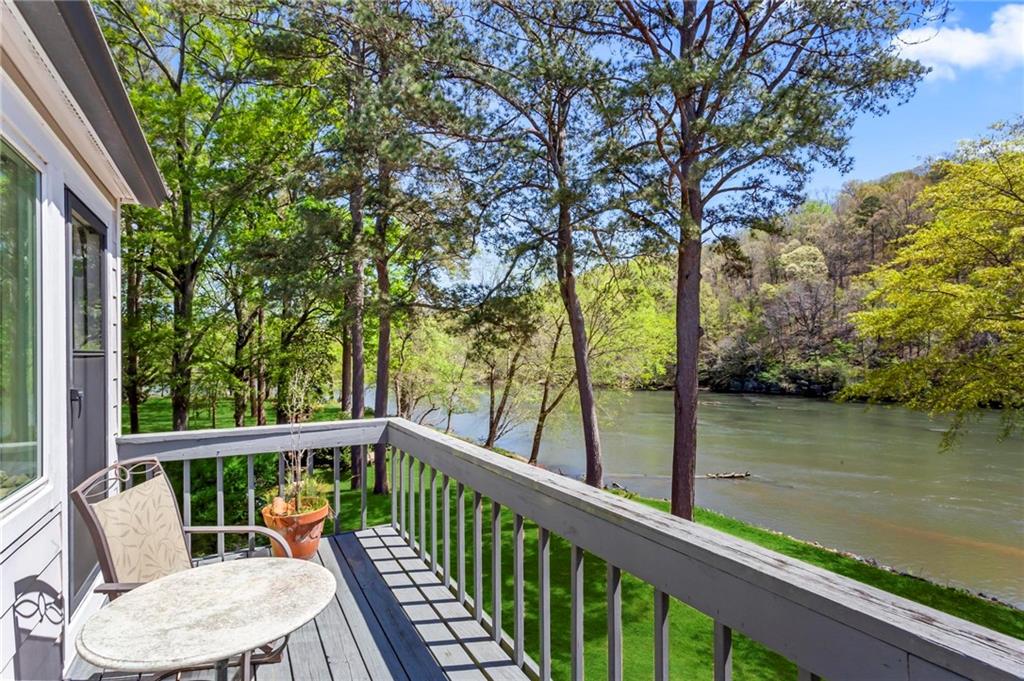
(403, 609)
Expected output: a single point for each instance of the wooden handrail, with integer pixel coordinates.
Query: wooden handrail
(827, 624)
(212, 442)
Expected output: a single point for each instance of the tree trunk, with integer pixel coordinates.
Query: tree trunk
(688, 332)
(346, 367)
(500, 412)
(282, 397)
(239, 392)
(183, 292)
(565, 266)
(181, 353)
(492, 424)
(545, 409)
(239, 384)
(538, 431)
(261, 372)
(380, 401)
(356, 329)
(252, 387)
(355, 207)
(132, 324)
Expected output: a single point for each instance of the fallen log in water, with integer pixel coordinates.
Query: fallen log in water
(725, 476)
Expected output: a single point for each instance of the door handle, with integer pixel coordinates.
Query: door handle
(77, 396)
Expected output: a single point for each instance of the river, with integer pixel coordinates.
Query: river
(865, 479)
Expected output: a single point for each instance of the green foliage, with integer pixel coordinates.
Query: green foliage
(950, 305)
(803, 262)
(430, 371)
(224, 137)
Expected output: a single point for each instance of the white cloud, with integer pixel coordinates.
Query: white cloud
(950, 49)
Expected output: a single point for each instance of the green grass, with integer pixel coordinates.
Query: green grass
(690, 631)
(155, 415)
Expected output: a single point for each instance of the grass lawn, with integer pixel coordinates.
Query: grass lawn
(691, 631)
(155, 415)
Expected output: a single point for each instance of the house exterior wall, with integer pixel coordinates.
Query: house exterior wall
(40, 120)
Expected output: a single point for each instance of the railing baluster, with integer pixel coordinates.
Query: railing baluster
(363, 451)
(660, 636)
(186, 499)
(433, 520)
(412, 502)
(805, 675)
(544, 596)
(519, 624)
(496, 571)
(250, 493)
(423, 515)
(576, 622)
(446, 520)
(402, 525)
(460, 539)
(723, 652)
(220, 506)
(394, 488)
(614, 623)
(478, 557)
(336, 455)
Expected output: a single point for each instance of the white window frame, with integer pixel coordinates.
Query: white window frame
(28, 153)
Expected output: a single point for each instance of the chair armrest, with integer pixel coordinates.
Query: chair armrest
(115, 589)
(241, 529)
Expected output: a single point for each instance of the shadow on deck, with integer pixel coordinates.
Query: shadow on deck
(391, 618)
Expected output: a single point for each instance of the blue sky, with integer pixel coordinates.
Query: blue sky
(977, 58)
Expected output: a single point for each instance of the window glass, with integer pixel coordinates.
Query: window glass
(87, 306)
(19, 338)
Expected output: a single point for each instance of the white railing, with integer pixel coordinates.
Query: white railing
(828, 625)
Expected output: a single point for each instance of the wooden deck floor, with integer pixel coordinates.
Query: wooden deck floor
(392, 618)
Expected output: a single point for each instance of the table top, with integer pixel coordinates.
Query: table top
(205, 614)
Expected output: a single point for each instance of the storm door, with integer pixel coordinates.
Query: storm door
(87, 447)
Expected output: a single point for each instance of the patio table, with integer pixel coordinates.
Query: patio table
(206, 615)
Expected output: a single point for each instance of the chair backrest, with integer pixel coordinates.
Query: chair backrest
(137, 530)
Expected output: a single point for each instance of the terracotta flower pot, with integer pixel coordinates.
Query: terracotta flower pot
(302, 531)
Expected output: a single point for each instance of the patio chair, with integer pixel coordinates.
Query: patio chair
(139, 537)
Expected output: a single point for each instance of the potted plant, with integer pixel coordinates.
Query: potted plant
(299, 509)
(299, 513)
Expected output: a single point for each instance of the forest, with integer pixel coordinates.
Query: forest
(524, 202)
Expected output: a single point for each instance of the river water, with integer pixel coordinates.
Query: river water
(865, 479)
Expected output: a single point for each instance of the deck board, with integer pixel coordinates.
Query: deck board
(392, 619)
(415, 657)
(486, 656)
(371, 643)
